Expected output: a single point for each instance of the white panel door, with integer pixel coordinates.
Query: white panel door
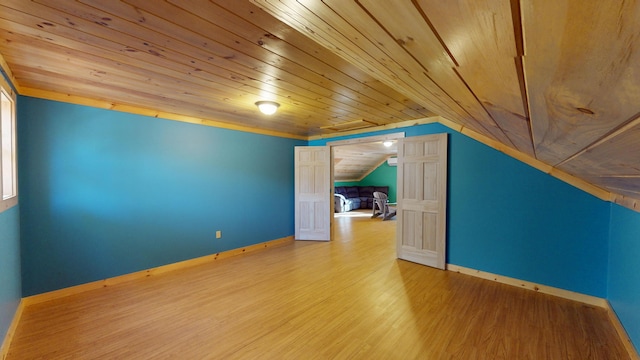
(422, 199)
(312, 193)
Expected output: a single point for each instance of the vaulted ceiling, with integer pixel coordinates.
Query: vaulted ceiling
(553, 81)
(354, 162)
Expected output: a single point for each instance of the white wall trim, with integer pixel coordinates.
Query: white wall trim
(367, 139)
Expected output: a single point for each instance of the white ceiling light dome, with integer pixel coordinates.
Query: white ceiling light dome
(267, 107)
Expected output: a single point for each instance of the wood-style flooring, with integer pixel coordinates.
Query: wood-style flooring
(346, 299)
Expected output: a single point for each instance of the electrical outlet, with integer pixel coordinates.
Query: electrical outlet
(218, 234)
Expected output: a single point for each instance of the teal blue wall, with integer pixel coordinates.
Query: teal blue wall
(507, 218)
(624, 269)
(106, 193)
(10, 280)
(383, 175)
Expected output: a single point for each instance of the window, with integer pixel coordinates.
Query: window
(8, 160)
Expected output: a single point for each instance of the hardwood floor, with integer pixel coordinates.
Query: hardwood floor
(347, 299)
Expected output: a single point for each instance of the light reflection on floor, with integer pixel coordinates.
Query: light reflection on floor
(355, 213)
(344, 222)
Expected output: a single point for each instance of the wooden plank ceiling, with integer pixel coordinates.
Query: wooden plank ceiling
(355, 161)
(558, 81)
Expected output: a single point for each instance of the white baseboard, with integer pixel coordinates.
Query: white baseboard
(566, 294)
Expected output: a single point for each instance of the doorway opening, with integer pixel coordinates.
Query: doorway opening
(353, 163)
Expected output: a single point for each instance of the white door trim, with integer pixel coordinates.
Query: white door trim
(369, 139)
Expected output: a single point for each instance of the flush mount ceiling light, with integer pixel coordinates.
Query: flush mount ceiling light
(267, 107)
(387, 143)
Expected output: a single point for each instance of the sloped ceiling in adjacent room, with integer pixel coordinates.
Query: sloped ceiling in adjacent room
(355, 161)
(554, 81)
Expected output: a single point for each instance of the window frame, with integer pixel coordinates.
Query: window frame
(11, 201)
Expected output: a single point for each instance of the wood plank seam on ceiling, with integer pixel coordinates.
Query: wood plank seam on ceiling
(336, 44)
(516, 16)
(425, 72)
(238, 75)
